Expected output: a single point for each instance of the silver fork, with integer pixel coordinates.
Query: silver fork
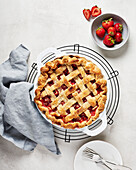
(94, 157)
(97, 158)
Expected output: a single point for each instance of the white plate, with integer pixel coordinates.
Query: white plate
(106, 150)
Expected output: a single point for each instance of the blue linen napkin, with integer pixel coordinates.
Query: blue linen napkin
(20, 121)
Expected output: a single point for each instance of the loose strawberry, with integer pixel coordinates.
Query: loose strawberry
(108, 41)
(100, 32)
(118, 27)
(118, 37)
(111, 31)
(87, 13)
(107, 23)
(96, 11)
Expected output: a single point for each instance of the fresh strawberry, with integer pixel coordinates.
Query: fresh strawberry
(96, 11)
(118, 27)
(118, 37)
(107, 23)
(100, 32)
(87, 13)
(111, 31)
(108, 40)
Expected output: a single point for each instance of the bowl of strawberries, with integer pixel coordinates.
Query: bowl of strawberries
(109, 31)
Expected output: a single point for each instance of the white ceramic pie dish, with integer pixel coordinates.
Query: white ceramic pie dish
(58, 54)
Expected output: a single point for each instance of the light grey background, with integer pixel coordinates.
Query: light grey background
(44, 23)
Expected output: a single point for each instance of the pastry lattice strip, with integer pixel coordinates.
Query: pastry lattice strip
(76, 97)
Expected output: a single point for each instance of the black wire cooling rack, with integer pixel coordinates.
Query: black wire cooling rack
(70, 135)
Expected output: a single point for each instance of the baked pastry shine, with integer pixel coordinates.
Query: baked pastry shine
(71, 91)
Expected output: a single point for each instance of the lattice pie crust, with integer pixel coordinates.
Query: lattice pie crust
(71, 91)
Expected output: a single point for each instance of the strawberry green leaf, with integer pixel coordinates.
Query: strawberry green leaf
(110, 19)
(111, 33)
(120, 27)
(99, 28)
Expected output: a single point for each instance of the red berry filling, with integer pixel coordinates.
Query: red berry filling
(46, 101)
(56, 92)
(93, 81)
(58, 123)
(62, 102)
(78, 90)
(99, 89)
(55, 109)
(80, 76)
(71, 56)
(92, 112)
(76, 106)
(68, 111)
(97, 103)
(74, 120)
(66, 72)
(49, 75)
(50, 83)
(91, 94)
(60, 117)
(84, 100)
(59, 65)
(59, 76)
(83, 117)
(64, 87)
(72, 81)
(69, 96)
(87, 71)
(74, 66)
(42, 90)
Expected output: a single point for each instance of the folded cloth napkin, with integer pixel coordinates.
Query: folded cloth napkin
(20, 121)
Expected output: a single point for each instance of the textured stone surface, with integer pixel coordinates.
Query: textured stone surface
(45, 23)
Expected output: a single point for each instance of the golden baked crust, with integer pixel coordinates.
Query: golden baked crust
(71, 91)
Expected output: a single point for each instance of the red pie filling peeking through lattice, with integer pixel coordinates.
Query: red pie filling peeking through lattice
(71, 91)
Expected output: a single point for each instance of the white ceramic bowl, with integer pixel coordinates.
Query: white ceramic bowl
(98, 23)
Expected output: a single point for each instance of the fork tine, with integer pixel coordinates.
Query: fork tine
(90, 156)
(87, 153)
(87, 149)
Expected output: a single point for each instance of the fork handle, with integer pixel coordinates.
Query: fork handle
(106, 165)
(114, 166)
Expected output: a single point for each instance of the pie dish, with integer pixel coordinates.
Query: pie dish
(71, 91)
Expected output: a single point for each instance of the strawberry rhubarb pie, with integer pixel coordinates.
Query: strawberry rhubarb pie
(71, 91)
